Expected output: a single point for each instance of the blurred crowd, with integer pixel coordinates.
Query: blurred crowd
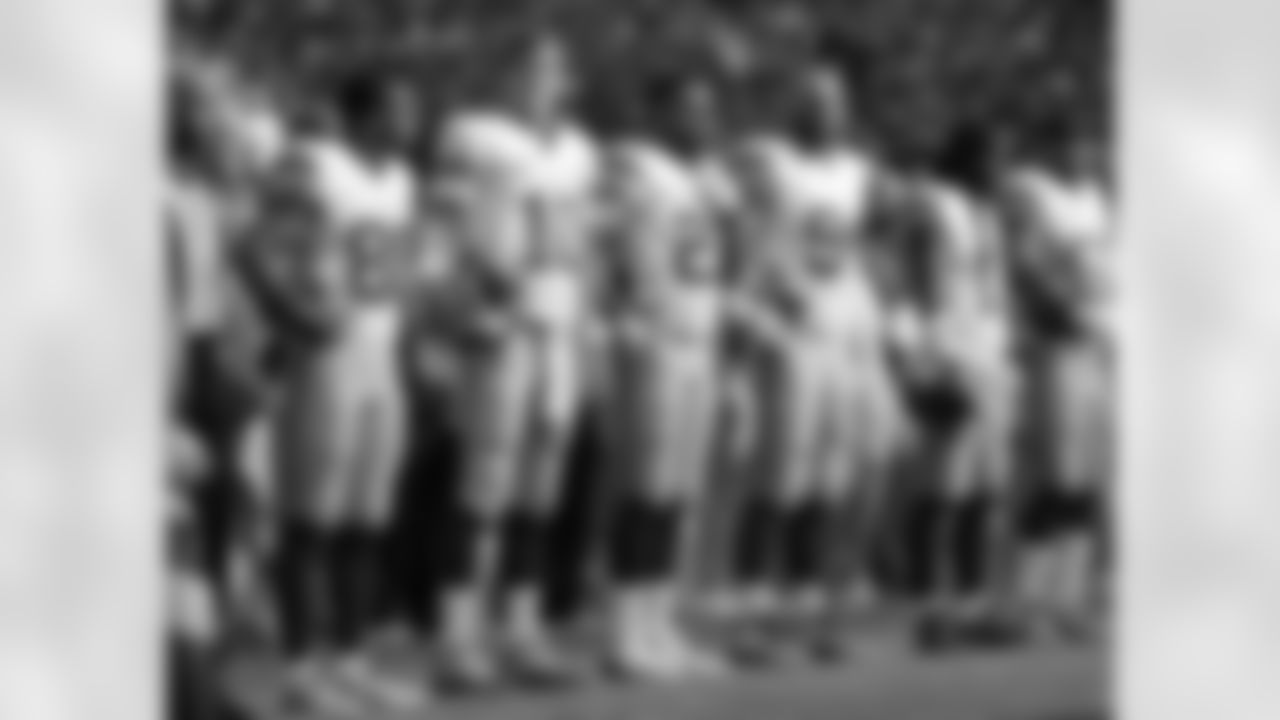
(928, 63)
(544, 343)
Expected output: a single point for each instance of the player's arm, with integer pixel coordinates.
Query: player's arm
(599, 273)
(749, 313)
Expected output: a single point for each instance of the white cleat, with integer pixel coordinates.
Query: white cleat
(314, 685)
(638, 655)
(699, 663)
(384, 688)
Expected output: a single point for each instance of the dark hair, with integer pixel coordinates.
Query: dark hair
(187, 139)
(367, 96)
(967, 157)
(1054, 137)
(663, 93)
(804, 120)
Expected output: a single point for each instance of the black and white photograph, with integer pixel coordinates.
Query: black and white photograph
(639, 359)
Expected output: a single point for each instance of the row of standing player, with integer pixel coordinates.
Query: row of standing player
(719, 303)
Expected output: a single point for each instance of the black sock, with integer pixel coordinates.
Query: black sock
(664, 539)
(307, 574)
(802, 542)
(291, 565)
(341, 548)
(970, 543)
(524, 541)
(464, 545)
(842, 545)
(955, 547)
(370, 581)
(758, 540)
(627, 541)
(455, 546)
(937, 543)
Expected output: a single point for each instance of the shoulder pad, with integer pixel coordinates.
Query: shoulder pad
(654, 175)
(485, 141)
(772, 166)
(568, 164)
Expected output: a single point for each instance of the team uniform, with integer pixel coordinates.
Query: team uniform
(1070, 367)
(220, 389)
(223, 382)
(822, 383)
(848, 316)
(526, 218)
(666, 307)
(970, 334)
(340, 257)
(764, 229)
(709, 553)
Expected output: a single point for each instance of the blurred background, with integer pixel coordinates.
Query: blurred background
(922, 65)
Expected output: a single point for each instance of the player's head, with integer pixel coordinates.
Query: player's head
(685, 108)
(287, 196)
(969, 159)
(188, 127)
(544, 80)
(380, 112)
(824, 105)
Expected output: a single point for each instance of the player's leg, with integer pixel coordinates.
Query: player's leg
(887, 438)
(1085, 422)
(882, 497)
(948, 459)
(1037, 492)
(315, 429)
(987, 518)
(257, 532)
(692, 414)
(760, 534)
(796, 499)
(555, 409)
(637, 441)
(491, 410)
(838, 546)
(367, 543)
(721, 505)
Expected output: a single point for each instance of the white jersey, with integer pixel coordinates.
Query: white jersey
(370, 209)
(770, 182)
(562, 193)
(533, 206)
(771, 177)
(972, 326)
(833, 199)
(354, 192)
(836, 187)
(669, 223)
(1075, 221)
